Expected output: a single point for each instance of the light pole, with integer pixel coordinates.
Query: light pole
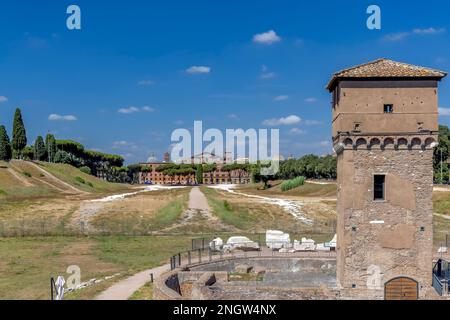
(442, 177)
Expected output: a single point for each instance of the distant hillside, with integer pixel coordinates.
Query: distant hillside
(309, 189)
(23, 179)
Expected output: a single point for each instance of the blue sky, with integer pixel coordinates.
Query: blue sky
(124, 81)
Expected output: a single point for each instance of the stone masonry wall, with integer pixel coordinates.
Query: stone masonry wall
(380, 240)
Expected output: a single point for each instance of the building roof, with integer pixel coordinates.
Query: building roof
(385, 68)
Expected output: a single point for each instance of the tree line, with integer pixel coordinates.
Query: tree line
(103, 165)
(442, 152)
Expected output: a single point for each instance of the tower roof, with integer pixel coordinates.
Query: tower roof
(385, 68)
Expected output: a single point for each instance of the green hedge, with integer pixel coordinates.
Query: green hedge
(293, 183)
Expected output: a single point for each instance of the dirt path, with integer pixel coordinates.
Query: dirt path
(441, 189)
(293, 207)
(442, 216)
(198, 212)
(123, 290)
(197, 200)
(25, 182)
(57, 180)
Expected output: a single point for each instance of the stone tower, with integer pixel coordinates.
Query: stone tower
(385, 122)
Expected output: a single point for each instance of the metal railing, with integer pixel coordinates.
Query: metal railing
(209, 254)
(441, 277)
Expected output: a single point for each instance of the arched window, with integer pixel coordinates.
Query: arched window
(361, 143)
(402, 143)
(348, 142)
(388, 143)
(428, 142)
(416, 143)
(375, 143)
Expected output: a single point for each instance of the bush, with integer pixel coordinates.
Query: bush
(2, 192)
(68, 158)
(90, 184)
(27, 174)
(85, 169)
(226, 205)
(294, 183)
(80, 180)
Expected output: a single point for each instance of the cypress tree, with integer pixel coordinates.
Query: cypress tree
(39, 149)
(19, 136)
(50, 146)
(5, 145)
(199, 174)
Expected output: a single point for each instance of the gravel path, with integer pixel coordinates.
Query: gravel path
(197, 200)
(124, 289)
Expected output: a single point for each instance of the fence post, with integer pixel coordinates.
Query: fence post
(189, 257)
(199, 255)
(151, 277)
(51, 288)
(210, 254)
(179, 259)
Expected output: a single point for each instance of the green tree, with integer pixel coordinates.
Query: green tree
(19, 136)
(28, 153)
(39, 149)
(199, 173)
(5, 145)
(50, 146)
(441, 153)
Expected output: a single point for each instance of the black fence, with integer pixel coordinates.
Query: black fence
(441, 277)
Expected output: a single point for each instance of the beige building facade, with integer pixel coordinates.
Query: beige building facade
(385, 122)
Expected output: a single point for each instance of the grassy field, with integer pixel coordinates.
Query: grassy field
(143, 213)
(441, 225)
(144, 293)
(43, 206)
(28, 263)
(247, 214)
(441, 202)
(306, 190)
(25, 180)
(75, 177)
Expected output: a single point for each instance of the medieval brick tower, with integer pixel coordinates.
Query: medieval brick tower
(385, 122)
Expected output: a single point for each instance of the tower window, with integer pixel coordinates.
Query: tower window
(357, 127)
(378, 186)
(388, 108)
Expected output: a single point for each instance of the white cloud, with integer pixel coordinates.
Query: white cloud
(3, 99)
(310, 100)
(296, 131)
(312, 122)
(232, 116)
(398, 36)
(198, 69)
(281, 98)
(268, 37)
(444, 112)
(135, 109)
(324, 143)
(266, 74)
(124, 145)
(145, 82)
(147, 109)
(128, 110)
(428, 31)
(283, 121)
(57, 117)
